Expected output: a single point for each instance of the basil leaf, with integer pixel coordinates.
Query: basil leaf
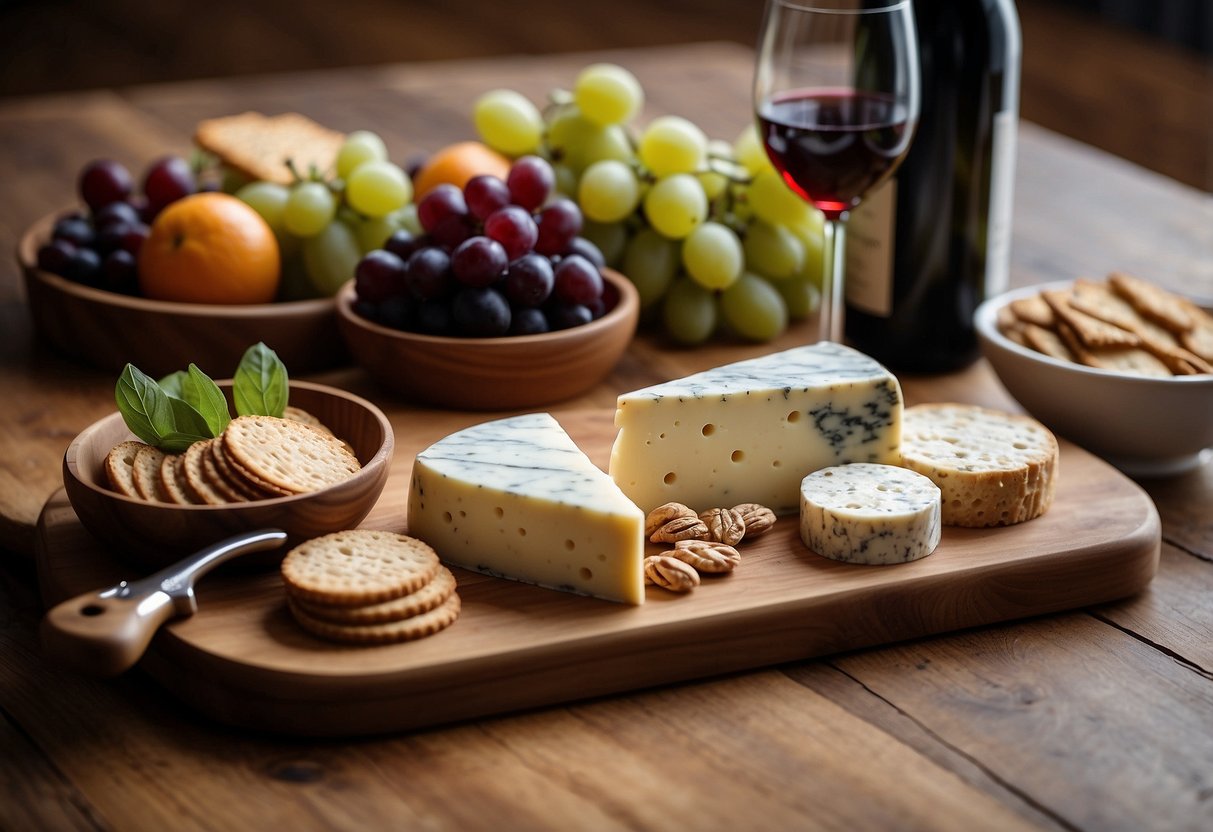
(204, 396)
(173, 383)
(144, 406)
(260, 385)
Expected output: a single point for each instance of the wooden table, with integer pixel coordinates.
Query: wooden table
(1095, 719)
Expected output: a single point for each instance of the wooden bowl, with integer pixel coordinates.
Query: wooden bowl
(106, 329)
(157, 534)
(493, 373)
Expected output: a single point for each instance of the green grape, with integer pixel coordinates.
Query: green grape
(608, 94)
(753, 308)
(773, 251)
(671, 144)
(775, 202)
(330, 257)
(676, 205)
(812, 237)
(408, 219)
(611, 239)
(373, 232)
(376, 189)
(650, 262)
(577, 142)
(608, 143)
(232, 180)
(310, 207)
(359, 147)
(712, 255)
(714, 184)
(508, 122)
(566, 181)
(608, 191)
(748, 150)
(689, 312)
(268, 199)
(800, 295)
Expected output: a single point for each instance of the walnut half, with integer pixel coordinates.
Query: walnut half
(662, 515)
(758, 518)
(725, 525)
(707, 555)
(670, 573)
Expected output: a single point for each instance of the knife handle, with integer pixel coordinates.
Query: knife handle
(103, 636)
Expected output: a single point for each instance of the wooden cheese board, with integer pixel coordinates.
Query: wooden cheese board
(242, 660)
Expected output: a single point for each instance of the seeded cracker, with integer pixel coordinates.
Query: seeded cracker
(423, 600)
(146, 469)
(119, 467)
(359, 567)
(172, 477)
(286, 455)
(196, 475)
(224, 472)
(408, 629)
(258, 146)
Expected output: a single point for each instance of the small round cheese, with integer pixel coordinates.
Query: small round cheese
(868, 513)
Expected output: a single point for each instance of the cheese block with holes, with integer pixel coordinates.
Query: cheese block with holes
(516, 498)
(749, 432)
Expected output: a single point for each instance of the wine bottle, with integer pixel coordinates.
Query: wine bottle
(926, 247)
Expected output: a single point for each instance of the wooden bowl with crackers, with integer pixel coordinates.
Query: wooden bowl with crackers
(511, 372)
(1117, 365)
(108, 329)
(284, 474)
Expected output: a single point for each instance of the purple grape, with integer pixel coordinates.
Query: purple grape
(379, 276)
(480, 312)
(443, 202)
(75, 230)
(531, 181)
(403, 243)
(568, 315)
(366, 309)
(84, 267)
(103, 182)
(56, 256)
(452, 231)
(597, 308)
(478, 261)
(397, 312)
(577, 281)
(558, 224)
(528, 321)
(433, 317)
(485, 194)
(115, 213)
(529, 280)
(119, 273)
(427, 274)
(134, 238)
(168, 180)
(514, 228)
(110, 237)
(588, 250)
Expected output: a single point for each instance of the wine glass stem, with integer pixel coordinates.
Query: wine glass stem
(833, 301)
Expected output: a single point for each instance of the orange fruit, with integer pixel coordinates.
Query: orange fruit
(455, 164)
(210, 248)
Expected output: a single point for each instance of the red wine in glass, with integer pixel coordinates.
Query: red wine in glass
(832, 145)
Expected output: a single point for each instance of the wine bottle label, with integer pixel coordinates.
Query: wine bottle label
(998, 227)
(868, 282)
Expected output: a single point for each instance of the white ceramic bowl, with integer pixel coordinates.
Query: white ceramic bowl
(1144, 426)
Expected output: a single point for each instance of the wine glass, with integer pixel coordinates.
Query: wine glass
(836, 92)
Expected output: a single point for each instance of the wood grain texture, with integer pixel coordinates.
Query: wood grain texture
(515, 645)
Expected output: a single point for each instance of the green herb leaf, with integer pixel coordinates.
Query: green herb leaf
(144, 406)
(173, 383)
(260, 385)
(156, 417)
(204, 396)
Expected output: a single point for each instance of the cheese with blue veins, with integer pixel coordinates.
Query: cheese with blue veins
(871, 514)
(516, 498)
(749, 432)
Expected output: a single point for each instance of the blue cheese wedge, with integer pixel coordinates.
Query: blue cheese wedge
(516, 498)
(749, 432)
(873, 514)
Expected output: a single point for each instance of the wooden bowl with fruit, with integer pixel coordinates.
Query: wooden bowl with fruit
(153, 506)
(498, 305)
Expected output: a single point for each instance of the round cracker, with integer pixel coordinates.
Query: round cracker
(216, 466)
(172, 477)
(358, 567)
(432, 595)
(286, 454)
(119, 467)
(146, 469)
(197, 477)
(408, 629)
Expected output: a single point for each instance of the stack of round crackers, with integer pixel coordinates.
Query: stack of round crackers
(1123, 324)
(255, 458)
(369, 587)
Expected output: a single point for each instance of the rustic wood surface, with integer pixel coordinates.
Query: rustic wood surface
(1085, 720)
